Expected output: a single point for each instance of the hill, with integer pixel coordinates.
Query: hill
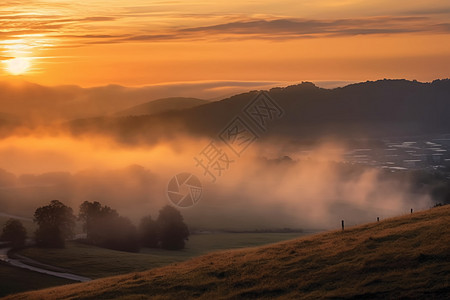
(406, 257)
(369, 110)
(161, 105)
(36, 104)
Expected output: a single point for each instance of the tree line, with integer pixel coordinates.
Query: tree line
(103, 226)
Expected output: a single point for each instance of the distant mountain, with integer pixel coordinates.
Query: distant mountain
(36, 104)
(364, 110)
(161, 105)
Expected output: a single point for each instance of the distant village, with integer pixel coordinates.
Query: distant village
(406, 154)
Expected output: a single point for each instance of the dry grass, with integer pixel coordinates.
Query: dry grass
(401, 258)
(95, 262)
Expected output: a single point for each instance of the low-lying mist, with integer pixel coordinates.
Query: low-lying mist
(267, 187)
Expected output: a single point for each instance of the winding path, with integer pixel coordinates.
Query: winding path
(19, 264)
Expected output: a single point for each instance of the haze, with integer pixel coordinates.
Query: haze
(260, 190)
(68, 70)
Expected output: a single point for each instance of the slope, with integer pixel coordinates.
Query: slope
(365, 110)
(160, 106)
(406, 257)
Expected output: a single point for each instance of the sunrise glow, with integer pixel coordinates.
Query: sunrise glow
(17, 66)
(134, 43)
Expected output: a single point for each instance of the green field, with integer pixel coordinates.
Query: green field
(95, 262)
(400, 258)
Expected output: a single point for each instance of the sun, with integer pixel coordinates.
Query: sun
(18, 65)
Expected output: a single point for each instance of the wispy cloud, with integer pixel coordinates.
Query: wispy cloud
(33, 27)
(274, 29)
(78, 24)
(160, 23)
(297, 28)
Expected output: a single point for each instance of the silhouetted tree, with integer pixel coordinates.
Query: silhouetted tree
(148, 232)
(172, 231)
(117, 233)
(56, 223)
(90, 214)
(105, 228)
(15, 233)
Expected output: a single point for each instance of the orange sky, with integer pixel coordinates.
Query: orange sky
(132, 42)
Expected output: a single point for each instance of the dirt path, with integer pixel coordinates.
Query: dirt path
(19, 264)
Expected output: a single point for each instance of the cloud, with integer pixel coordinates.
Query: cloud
(147, 27)
(309, 191)
(281, 28)
(50, 104)
(43, 24)
(35, 32)
(298, 28)
(96, 19)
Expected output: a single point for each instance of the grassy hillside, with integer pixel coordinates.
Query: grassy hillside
(406, 257)
(95, 262)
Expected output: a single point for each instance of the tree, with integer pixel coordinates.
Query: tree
(118, 233)
(90, 214)
(15, 233)
(56, 223)
(172, 231)
(148, 232)
(105, 228)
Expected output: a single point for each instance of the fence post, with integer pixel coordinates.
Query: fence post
(342, 223)
(378, 219)
(411, 210)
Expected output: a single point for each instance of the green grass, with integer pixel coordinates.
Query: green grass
(14, 280)
(95, 262)
(199, 244)
(402, 258)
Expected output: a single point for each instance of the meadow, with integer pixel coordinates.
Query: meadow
(15, 280)
(406, 257)
(95, 262)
